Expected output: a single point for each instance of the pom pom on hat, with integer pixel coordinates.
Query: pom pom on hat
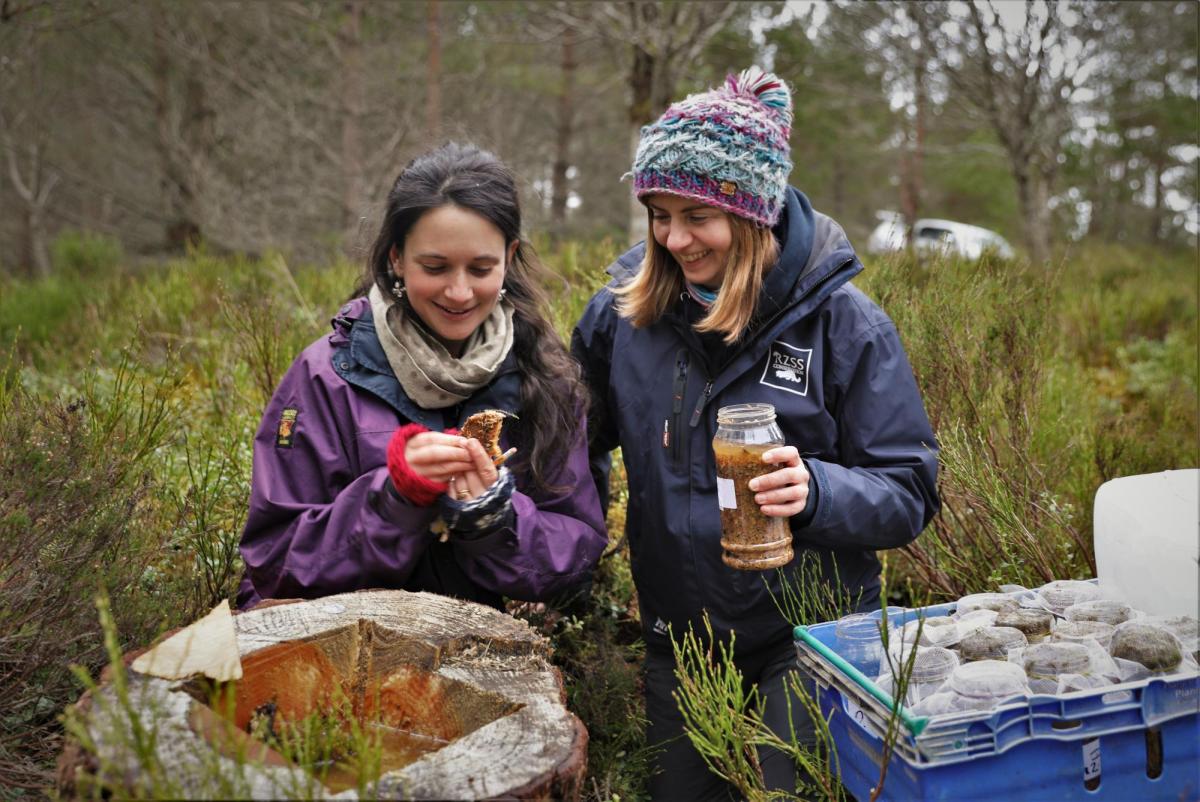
(727, 147)
(770, 90)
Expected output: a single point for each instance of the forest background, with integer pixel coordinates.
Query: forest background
(188, 190)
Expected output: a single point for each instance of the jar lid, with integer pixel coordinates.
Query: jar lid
(975, 619)
(1152, 646)
(991, 643)
(1000, 602)
(858, 627)
(1052, 658)
(1062, 593)
(936, 631)
(988, 679)
(1081, 630)
(1107, 610)
(1184, 627)
(1027, 619)
(745, 414)
(933, 664)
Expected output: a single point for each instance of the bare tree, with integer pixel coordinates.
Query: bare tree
(353, 97)
(433, 72)
(562, 141)
(34, 182)
(665, 39)
(913, 159)
(1022, 78)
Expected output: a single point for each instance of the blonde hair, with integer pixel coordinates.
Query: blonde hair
(752, 252)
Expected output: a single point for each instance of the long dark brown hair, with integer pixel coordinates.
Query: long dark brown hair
(471, 178)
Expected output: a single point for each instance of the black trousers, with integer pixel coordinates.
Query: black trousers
(680, 773)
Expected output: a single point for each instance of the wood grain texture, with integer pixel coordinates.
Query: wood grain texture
(463, 671)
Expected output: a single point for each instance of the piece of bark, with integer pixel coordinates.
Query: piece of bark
(207, 647)
(445, 669)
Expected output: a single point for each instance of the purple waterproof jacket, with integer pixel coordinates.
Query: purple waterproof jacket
(324, 517)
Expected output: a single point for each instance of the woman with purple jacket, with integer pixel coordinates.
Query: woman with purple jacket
(361, 479)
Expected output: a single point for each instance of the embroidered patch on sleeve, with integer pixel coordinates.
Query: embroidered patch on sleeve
(286, 434)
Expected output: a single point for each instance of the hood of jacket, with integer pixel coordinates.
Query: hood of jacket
(815, 257)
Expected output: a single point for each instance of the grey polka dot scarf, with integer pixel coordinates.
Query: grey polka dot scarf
(428, 373)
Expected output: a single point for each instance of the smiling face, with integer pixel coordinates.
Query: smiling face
(698, 236)
(453, 266)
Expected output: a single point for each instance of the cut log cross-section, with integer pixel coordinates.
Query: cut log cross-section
(468, 704)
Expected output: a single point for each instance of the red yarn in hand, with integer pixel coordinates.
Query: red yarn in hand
(408, 483)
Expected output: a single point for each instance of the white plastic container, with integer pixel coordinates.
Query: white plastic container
(1147, 537)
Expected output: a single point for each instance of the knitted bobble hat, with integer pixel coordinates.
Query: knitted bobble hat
(727, 147)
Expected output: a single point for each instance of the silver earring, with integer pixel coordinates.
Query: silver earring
(503, 292)
(398, 290)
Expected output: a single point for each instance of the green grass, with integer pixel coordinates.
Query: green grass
(1041, 386)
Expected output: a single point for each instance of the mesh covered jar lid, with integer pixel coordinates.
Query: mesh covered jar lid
(1034, 623)
(1062, 593)
(1108, 611)
(991, 643)
(1152, 646)
(937, 631)
(1184, 627)
(1053, 658)
(975, 619)
(1078, 631)
(988, 679)
(998, 602)
(933, 664)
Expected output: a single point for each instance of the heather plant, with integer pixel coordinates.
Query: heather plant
(1030, 421)
(76, 481)
(1041, 385)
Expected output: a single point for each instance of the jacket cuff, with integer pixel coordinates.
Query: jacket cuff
(806, 515)
(407, 482)
(474, 520)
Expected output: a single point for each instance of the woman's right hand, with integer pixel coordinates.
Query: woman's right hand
(438, 456)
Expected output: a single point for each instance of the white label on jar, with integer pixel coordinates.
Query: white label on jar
(726, 497)
(1091, 759)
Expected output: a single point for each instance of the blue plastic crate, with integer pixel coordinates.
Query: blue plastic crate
(1135, 741)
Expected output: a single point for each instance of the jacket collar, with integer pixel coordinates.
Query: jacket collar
(813, 247)
(815, 259)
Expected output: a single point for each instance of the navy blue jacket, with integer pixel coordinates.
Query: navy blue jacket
(831, 363)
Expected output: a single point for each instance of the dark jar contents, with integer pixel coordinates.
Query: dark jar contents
(751, 541)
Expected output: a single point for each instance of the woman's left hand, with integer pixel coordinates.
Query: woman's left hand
(473, 483)
(783, 492)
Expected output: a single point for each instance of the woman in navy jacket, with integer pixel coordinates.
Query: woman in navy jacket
(742, 294)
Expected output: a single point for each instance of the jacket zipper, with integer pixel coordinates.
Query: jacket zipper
(674, 435)
(700, 404)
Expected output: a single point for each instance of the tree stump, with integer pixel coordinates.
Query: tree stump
(470, 686)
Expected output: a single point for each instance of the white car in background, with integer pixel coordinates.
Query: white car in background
(934, 236)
